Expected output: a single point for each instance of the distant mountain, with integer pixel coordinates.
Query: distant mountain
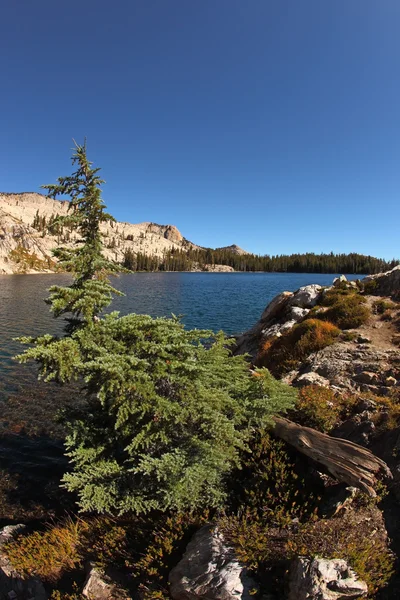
(234, 249)
(27, 236)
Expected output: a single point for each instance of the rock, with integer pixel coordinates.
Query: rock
(306, 297)
(323, 579)
(387, 283)
(12, 584)
(358, 429)
(311, 379)
(365, 404)
(390, 381)
(98, 587)
(287, 325)
(363, 339)
(367, 377)
(338, 280)
(273, 331)
(336, 498)
(275, 306)
(209, 569)
(297, 314)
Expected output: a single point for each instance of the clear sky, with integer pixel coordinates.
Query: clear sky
(272, 124)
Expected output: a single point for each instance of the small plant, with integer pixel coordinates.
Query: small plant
(370, 287)
(280, 355)
(322, 408)
(380, 306)
(29, 260)
(50, 553)
(364, 548)
(346, 309)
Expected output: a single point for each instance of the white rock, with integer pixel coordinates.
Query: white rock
(209, 569)
(276, 305)
(296, 313)
(306, 297)
(338, 280)
(311, 379)
(274, 330)
(323, 579)
(286, 326)
(98, 587)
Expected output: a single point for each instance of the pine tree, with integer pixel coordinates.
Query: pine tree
(167, 410)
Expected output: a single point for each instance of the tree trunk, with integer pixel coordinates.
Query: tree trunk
(344, 460)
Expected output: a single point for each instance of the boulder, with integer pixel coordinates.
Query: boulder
(338, 280)
(387, 283)
(275, 306)
(323, 579)
(98, 586)
(287, 325)
(297, 314)
(210, 569)
(306, 297)
(311, 379)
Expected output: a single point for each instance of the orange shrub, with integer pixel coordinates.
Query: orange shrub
(282, 354)
(322, 408)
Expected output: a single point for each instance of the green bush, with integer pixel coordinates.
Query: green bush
(346, 309)
(380, 306)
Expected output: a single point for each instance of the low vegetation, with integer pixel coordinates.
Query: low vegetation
(27, 261)
(345, 308)
(285, 353)
(322, 408)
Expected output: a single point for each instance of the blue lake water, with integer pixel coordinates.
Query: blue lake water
(232, 302)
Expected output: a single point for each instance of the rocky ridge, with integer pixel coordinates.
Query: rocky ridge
(25, 249)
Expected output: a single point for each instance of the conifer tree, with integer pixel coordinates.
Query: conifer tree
(167, 410)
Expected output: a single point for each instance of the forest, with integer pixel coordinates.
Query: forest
(194, 259)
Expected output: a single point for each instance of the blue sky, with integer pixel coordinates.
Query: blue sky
(272, 124)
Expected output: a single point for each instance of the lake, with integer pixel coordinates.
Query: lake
(232, 302)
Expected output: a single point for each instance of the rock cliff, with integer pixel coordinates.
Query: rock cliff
(27, 248)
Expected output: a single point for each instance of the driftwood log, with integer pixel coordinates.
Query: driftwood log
(345, 461)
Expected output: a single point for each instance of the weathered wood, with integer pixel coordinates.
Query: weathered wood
(345, 461)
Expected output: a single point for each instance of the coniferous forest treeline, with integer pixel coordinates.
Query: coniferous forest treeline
(199, 259)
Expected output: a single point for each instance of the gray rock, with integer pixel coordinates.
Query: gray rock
(296, 313)
(97, 586)
(363, 339)
(287, 325)
(274, 330)
(323, 579)
(311, 379)
(367, 377)
(338, 280)
(275, 306)
(386, 283)
(210, 569)
(306, 297)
